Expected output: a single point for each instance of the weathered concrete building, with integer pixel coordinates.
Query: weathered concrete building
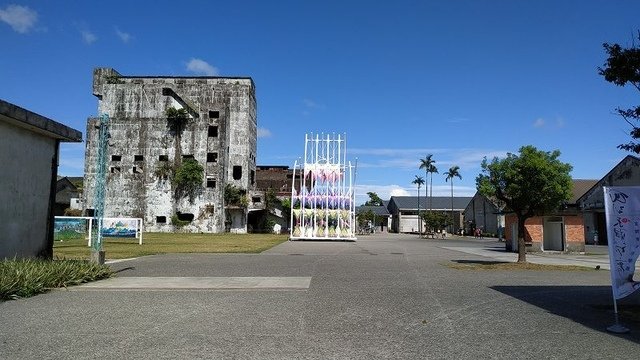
(29, 147)
(145, 149)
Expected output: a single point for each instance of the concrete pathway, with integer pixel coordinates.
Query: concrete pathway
(197, 283)
(498, 254)
(382, 297)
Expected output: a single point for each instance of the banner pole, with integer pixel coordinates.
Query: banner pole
(617, 328)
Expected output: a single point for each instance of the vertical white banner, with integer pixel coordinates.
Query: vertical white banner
(622, 210)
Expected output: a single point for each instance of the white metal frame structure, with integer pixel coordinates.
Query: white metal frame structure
(324, 206)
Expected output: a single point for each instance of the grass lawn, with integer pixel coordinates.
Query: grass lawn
(27, 277)
(166, 243)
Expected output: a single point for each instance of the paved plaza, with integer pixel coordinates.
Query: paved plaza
(384, 296)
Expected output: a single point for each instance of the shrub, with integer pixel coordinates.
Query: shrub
(235, 196)
(72, 212)
(164, 170)
(29, 277)
(175, 221)
(188, 179)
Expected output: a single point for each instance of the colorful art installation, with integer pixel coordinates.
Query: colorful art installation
(322, 196)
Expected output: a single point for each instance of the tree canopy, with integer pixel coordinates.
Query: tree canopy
(364, 218)
(374, 200)
(532, 183)
(621, 68)
(418, 180)
(435, 220)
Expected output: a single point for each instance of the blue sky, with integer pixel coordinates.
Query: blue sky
(457, 79)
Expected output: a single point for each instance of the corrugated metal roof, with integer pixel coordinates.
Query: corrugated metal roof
(437, 202)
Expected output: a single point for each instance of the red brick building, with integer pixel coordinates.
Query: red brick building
(276, 177)
(560, 231)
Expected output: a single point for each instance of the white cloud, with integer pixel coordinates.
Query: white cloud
(125, 37)
(201, 67)
(410, 158)
(88, 37)
(21, 18)
(445, 190)
(384, 192)
(538, 123)
(399, 192)
(264, 133)
(312, 104)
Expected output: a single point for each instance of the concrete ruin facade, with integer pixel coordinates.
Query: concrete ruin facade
(220, 134)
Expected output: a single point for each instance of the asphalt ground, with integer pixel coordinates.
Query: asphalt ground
(384, 296)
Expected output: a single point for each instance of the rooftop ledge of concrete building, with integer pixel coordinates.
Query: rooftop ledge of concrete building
(24, 118)
(113, 72)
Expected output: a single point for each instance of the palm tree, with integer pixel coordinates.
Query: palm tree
(432, 169)
(427, 165)
(419, 181)
(454, 171)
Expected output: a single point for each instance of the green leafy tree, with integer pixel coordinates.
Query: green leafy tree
(233, 195)
(364, 218)
(453, 172)
(531, 184)
(286, 210)
(419, 181)
(621, 68)
(188, 179)
(271, 202)
(429, 168)
(374, 200)
(436, 220)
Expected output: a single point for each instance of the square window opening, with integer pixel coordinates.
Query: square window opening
(116, 157)
(163, 158)
(115, 169)
(161, 219)
(212, 157)
(213, 131)
(211, 183)
(214, 114)
(237, 172)
(138, 158)
(256, 199)
(188, 156)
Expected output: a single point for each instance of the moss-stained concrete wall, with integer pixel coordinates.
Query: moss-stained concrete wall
(221, 133)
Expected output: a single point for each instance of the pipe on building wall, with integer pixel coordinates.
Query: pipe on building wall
(47, 251)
